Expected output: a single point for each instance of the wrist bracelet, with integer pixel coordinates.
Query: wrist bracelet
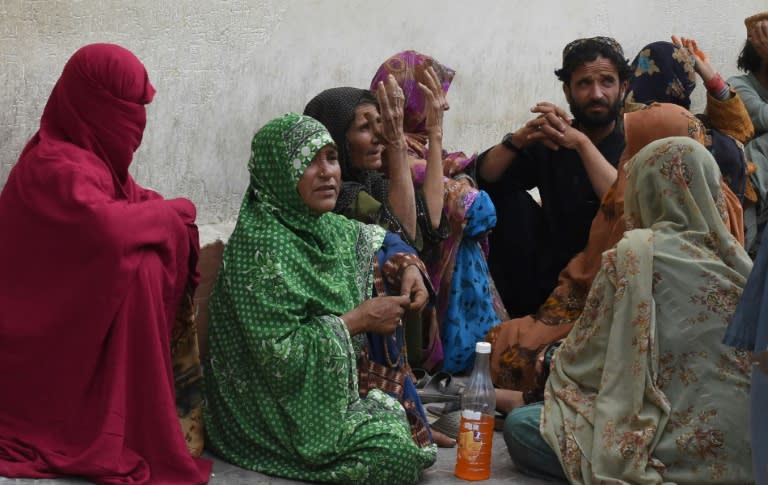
(715, 85)
(509, 145)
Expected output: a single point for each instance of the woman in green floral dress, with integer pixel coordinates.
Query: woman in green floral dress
(289, 313)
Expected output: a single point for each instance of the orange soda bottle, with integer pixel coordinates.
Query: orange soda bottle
(478, 406)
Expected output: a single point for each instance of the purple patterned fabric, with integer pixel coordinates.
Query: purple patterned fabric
(408, 68)
(465, 248)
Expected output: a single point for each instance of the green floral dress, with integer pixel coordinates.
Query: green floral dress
(281, 392)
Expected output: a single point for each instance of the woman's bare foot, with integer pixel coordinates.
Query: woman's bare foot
(443, 440)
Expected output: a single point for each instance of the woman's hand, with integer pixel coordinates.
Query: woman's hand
(702, 66)
(758, 37)
(391, 101)
(412, 286)
(434, 103)
(401, 197)
(381, 314)
(434, 107)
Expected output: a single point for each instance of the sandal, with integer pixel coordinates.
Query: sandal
(448, 424)
(441, 388)
(440, 409)
(420, 377)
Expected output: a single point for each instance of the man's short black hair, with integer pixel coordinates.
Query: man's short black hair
(749, 60)
(581, 51)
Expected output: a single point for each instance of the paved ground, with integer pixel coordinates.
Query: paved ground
(441, 473)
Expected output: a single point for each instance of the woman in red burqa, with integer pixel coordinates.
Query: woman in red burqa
(92, 270)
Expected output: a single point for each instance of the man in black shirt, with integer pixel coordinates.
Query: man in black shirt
(572, 162)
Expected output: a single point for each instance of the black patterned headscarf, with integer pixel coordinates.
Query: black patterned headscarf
(335, 108)
(664, 73)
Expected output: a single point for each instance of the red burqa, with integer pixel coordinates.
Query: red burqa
(92, 270)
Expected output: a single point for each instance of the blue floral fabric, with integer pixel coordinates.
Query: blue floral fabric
(470, 314)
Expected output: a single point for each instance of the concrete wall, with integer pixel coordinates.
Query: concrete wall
(223, 68)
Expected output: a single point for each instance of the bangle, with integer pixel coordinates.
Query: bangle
(715, 85)
(509, 145)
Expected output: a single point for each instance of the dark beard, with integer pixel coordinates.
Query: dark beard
(589, 120)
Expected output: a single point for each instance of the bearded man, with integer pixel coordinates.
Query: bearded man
(572, 162)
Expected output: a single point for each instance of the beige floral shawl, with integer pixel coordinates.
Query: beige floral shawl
(642, 391)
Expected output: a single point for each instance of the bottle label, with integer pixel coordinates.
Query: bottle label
(475, 445)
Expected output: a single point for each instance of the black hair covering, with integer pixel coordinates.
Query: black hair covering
(335, 108)
(664, 73)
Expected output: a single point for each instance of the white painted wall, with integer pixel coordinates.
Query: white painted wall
(222, 68)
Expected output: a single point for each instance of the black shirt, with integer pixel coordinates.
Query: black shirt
(568, 205)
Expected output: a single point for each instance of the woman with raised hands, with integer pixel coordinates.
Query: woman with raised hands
(468, 304)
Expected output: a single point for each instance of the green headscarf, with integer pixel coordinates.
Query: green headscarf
(281, 390)
(289, 248)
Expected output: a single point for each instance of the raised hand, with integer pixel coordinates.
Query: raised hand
(692, 47)
(435, 102)
(702, 65)
(391, 101)
(758, 37)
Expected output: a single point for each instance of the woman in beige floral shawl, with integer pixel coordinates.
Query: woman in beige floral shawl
(642, 391)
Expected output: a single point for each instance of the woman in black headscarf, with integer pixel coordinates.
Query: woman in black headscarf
(665, 72)
(369, 142)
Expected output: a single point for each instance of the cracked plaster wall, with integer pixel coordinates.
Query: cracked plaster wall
(222, 68)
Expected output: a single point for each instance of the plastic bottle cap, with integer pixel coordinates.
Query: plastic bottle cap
(483, 347)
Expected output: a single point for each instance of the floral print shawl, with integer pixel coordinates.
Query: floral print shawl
(517, 344)
(281, 388)
(642, 391)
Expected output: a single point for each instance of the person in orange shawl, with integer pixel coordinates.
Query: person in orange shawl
(522, 346)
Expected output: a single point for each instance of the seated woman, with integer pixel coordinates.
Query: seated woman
(351, 116)
(343, 112)
(665, 72)
(288, 316)
(522, 346)
(753, 89)
(369, 143)
(94, 270)
(468, 304)
(642, 390)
